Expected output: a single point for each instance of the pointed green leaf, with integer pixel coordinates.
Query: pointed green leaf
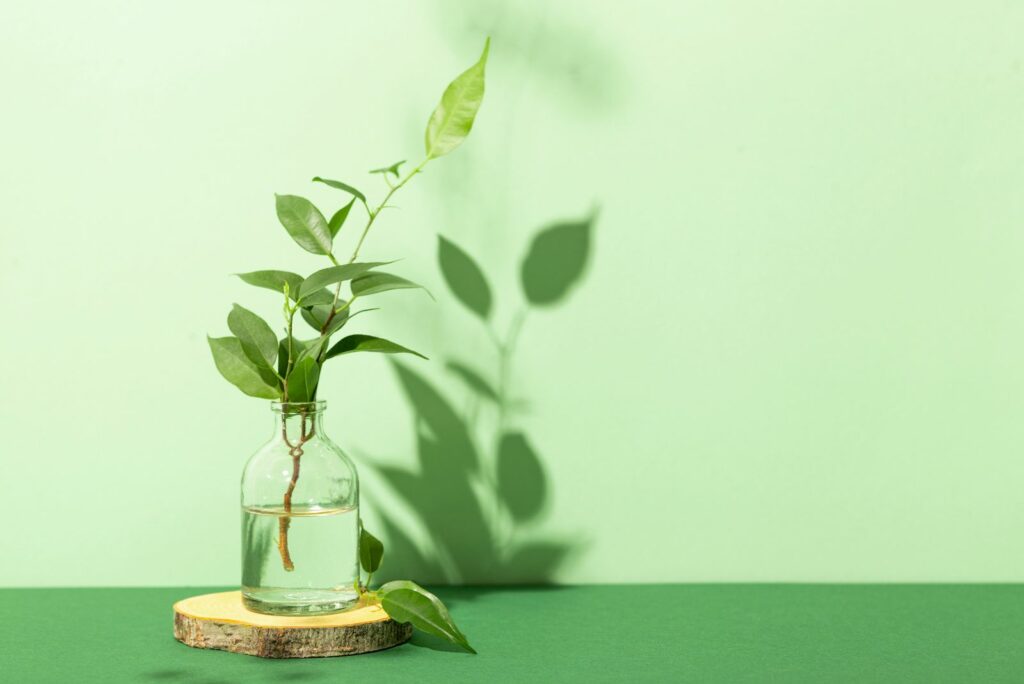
(452, 120)
(316, 316)
(389, 169)
(336, 274)
(308, 348)
(522, 485)
(375, 282)
(282, 356)
(338, 185)
(473, 379)
(303, 379)
(258, 340)
(304, 223)
(368, 343)
(362, 311)
(464, 278)
(300, 349)
(318, 297)
(274, 280)
(237, 369)
(371, 551)
(406, 601)
(338, 220)
(555, 261)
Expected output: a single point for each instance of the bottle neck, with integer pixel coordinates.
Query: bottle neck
(297, 424)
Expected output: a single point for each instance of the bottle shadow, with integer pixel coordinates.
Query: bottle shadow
(480, 489)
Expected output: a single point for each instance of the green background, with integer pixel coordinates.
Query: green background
(795, 354)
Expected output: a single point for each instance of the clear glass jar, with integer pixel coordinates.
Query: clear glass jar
(300, 519)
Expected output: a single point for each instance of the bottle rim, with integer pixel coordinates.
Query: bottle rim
(291, 407)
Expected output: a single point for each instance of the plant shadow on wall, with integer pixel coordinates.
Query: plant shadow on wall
(480, 488)
(548, 45)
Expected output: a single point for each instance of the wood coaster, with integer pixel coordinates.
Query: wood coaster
(220, 621)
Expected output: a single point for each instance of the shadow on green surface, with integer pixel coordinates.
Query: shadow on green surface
(298, 676)
(190, 677)
(479, 490)
(421, 640)
(571, 63)
(480, 487)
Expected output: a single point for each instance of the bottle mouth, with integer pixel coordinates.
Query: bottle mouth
(297, 407)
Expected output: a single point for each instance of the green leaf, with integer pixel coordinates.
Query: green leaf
(406, 601)
(362, 311)
(522, 485)
(258, 340)
(452, 120)
(375, 282)
(473, 379)
(300, 350)
(302, 380)
(274, 280)
(555, 261)
(464, 278)
(338, 220)
(316, 316)
(282, 356)
(314, 347)
(368, 343)
(237, 369)
(389, 169)
(371, 551)
(338, 185)
(304, 223)
(318, 297)
(336, 274)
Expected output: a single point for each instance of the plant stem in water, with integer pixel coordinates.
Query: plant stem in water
(284, 522)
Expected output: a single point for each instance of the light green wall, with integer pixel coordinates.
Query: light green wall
(796, 353)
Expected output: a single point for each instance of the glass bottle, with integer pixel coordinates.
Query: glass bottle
(300, 519)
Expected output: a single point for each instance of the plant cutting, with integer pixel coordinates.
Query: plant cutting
(302, 537)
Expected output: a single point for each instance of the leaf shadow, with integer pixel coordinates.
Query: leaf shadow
(574, 64)
(429, 641)
(478, 498)
(479, 490)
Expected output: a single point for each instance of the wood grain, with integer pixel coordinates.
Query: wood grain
(220, 621)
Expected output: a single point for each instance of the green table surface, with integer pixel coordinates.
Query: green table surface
(655, 633)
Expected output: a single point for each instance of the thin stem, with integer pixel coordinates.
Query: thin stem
(291, 355)
(374, 213)
(505, 350)
(295, 451)
(514, 329)
(285, 521)
(372, 216)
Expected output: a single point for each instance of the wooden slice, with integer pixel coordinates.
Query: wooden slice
(220, 621)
